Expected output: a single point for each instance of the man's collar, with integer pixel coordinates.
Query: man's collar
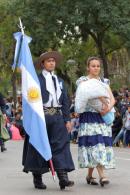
(45, 72)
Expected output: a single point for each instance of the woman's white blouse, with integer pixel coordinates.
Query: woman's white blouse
(87, 94)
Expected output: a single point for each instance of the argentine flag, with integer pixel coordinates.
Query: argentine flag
(33, 114)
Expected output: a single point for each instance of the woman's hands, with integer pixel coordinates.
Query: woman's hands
(69, 126)
(105, 105)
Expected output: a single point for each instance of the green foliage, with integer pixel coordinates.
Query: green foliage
(78, 29)
(75, 55)
(7, 28)
(50, 21)
(4, 83)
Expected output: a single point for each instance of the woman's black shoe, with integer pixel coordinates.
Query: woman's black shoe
(104, 181)
(91, 180)
(63, 180)
(38, 183)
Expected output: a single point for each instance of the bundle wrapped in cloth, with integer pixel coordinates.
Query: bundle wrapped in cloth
(93, 93)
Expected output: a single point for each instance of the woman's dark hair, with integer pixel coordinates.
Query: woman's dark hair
(93, 58)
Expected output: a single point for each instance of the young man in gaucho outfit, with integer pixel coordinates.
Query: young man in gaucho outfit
(57, 116)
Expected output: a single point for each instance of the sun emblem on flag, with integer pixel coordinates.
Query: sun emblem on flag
(33, 94)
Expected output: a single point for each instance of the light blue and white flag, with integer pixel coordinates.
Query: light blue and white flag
(33, 114)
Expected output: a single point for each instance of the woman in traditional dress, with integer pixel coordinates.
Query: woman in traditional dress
(94, 136)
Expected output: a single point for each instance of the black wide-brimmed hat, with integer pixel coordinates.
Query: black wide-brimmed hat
(52, 54)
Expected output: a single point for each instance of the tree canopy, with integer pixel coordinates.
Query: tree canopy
(52, 22)
(76, 28)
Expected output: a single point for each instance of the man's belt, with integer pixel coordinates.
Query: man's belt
(52, 110)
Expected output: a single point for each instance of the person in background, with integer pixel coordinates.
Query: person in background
(75, 126)
(117, 124)
(2, 112)
(127, 125)
(19, 123)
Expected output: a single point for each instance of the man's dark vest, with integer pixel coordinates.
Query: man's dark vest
(44, 92)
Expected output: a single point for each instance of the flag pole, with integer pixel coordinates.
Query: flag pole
(20, 25)
(22, 30)
(52, 169)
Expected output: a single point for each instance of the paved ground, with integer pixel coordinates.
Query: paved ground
(14, 182)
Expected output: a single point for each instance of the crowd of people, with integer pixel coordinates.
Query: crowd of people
(10, 121)
(120, 127)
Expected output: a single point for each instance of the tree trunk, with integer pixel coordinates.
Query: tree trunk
(14, 89)
(98, 38)
(103, 57)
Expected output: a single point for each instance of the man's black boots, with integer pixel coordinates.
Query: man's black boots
(63, 179)
(37, 180)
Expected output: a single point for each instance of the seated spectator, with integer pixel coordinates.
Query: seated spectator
(19, 110)
(15, 133)
(75, 126)
(9, 106)
(19, 123)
